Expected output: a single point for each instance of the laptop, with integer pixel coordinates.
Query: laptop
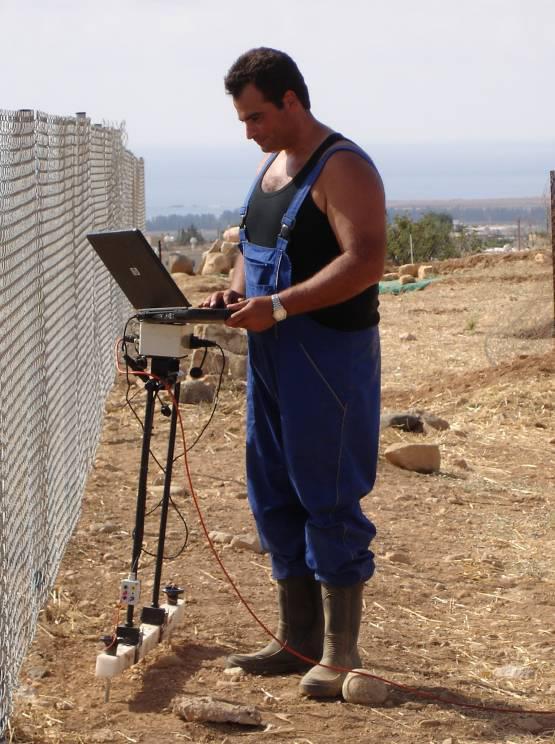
(145, 281)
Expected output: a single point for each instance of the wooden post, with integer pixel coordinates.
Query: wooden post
(552, 178)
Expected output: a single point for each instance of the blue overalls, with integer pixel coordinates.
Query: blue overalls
(313, 417)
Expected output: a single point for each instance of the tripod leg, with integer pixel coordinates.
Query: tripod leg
(165, 499)
(138, 533)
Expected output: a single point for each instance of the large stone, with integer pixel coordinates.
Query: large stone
(223, 538)
(232, 339)
(216, 247)
(411, 269)
(231, 235)
(216, 263)
(390, 277)
(247, 542)
(207, 708)
(364, 690)
(425, 272)
(181, 264)
(196, 391)
(231, 250)
(237, 366)
(421, 458)
(212, 364)
(406, 279)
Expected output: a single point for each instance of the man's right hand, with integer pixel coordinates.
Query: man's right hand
(222, 298)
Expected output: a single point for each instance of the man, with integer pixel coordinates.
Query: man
(305, 288)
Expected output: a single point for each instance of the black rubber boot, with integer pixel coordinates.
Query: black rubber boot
(301, 626)
(342, 615)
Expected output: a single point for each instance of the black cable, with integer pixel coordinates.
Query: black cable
(216, 395)
(186, 541)
(128, 400)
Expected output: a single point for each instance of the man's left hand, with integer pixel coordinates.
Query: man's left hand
(254, 314)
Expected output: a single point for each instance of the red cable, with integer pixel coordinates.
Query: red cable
(285, 646)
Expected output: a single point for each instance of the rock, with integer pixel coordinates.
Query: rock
(231, 235)
(238, 366)
(231, 250)
(434, 421)
(404, 421)
(406, 279)
(214, 248)
(212, 364)
(397, 556)
(392, 276)
(407, 337)
(223, 538)
(196, 391)
(107, 528)
(216, 711)
(422, 458)
(38, 672)
(216, 263)
(408, 269)
(176, 491)
(425, 272)
(512, 671)
(65, 705)
(540, 258)
(364, 690)
(234, 671)
(241, 495)
(247, 542)
(231, 339)
(182, 264)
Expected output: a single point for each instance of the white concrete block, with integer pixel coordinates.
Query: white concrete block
(108, 666)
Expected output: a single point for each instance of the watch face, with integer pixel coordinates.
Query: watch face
(278, 311)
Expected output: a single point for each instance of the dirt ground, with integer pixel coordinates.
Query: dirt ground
(462, 602)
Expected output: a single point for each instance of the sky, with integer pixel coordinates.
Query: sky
(445, 95)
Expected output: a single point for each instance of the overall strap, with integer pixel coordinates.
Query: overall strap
(245, 207)
(288, 220)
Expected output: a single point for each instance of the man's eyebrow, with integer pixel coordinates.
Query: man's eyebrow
(250, 116)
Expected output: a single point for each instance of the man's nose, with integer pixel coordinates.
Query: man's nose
(249, 131)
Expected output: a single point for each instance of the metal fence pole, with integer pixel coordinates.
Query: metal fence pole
(552, 179)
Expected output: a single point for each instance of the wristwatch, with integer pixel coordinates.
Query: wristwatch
(278, 311)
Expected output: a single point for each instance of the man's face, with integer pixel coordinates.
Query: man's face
(265, 123)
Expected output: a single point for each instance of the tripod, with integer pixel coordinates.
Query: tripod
(165, 373)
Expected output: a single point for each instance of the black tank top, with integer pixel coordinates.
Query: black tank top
(312, 245)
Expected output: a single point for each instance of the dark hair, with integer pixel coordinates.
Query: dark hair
(271, 71)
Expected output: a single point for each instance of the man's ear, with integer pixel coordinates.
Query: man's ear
(289, 99)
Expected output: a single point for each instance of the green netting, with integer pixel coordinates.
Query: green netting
(395, 287)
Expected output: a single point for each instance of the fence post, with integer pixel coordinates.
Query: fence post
(552, 179)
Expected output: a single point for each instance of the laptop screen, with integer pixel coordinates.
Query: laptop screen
(138, 271)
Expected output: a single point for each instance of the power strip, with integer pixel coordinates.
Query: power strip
(130, 591)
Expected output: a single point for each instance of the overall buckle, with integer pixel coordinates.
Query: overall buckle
(286, 230)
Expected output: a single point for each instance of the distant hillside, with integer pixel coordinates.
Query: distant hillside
(532, 213)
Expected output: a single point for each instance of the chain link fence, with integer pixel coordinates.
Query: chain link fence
(60, 178)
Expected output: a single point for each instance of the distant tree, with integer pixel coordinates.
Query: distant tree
(431, 238)
(186, 234)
